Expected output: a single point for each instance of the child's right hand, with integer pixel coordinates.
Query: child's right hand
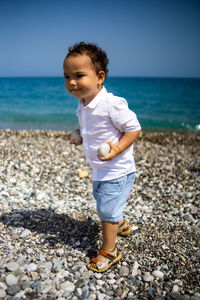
(75, 137)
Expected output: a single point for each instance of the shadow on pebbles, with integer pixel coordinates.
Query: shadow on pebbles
(49, 228)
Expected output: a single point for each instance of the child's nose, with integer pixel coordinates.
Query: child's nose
(72, 82)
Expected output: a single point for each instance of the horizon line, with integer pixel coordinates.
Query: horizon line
(113, 76)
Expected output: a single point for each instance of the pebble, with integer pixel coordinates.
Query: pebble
(25, 233)
(85, 292)
(50, 226)
(68, 286)
(123, 271)
(103, 149)
(135, 269)
(12, 266)
(2, 293)
(83, 174)
(148, 278)
(11, 280)
(158, 274)
(12, 290)
(175, 289)
(31, 267)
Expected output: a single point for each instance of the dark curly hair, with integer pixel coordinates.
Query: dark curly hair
(97, 55)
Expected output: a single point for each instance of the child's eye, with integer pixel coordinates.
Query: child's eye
(79, 75)
(66, 77)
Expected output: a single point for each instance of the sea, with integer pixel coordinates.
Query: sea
(161, 104)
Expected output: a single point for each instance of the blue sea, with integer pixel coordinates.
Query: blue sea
(161, 104)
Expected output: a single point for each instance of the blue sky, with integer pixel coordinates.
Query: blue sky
(141, 37)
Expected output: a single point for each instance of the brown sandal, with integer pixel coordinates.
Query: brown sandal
(122, 231)
(112, 257)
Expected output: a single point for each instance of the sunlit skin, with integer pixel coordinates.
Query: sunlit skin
(82, 81)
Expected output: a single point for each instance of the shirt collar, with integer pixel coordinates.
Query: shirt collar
(97, 99)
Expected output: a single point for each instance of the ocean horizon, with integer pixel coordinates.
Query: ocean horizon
(42, 103)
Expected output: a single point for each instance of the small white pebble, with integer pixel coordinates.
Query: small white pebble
(103, 150)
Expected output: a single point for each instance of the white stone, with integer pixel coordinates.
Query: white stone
(3, 286)
(100, 296)
(11, 279)
(92, 297)
(103, 150)
(158, 274)
(41, 196)
(100, 282)
(2, 294)
(148, 278)
(98, 275)
(25, 233)
(59, 179)
(68, 286)
(175, 289)
(135, 269)
(31, 267)
(111, 281)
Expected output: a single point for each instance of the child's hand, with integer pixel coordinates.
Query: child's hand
(112, 154)
(75, 137)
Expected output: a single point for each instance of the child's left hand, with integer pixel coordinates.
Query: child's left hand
(112, 154)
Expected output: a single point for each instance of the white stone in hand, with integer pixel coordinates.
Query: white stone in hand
(103, 150)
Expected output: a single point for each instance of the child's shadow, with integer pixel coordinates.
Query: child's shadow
(79, 234)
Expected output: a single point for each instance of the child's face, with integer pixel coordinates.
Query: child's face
(81, 79)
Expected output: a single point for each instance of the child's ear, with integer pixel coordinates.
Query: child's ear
(101, 76)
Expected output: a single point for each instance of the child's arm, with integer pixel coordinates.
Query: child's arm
(126, 141)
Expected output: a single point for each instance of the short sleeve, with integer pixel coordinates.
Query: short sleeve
(124, 119)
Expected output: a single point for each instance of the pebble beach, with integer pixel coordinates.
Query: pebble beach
(49, 228)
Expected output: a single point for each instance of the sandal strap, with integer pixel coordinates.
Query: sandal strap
(94, 260)
(121, 227)
(107, 254)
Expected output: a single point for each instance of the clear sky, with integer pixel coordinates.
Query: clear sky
(141, 37)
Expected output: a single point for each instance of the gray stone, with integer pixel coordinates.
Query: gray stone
(80, 283)
(85, 292)
(12, 290)
(12, 266)
(123, 271)
(19, 295)
(86, 274)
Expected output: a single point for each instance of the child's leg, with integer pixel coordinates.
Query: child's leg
(111, 198)
(109, 235)
(109, 239)
(120, 222)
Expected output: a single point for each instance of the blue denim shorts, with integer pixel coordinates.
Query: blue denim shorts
(111, 197)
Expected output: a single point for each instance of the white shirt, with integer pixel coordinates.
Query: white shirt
(104, 119)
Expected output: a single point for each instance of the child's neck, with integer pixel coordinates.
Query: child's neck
(87, 101)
